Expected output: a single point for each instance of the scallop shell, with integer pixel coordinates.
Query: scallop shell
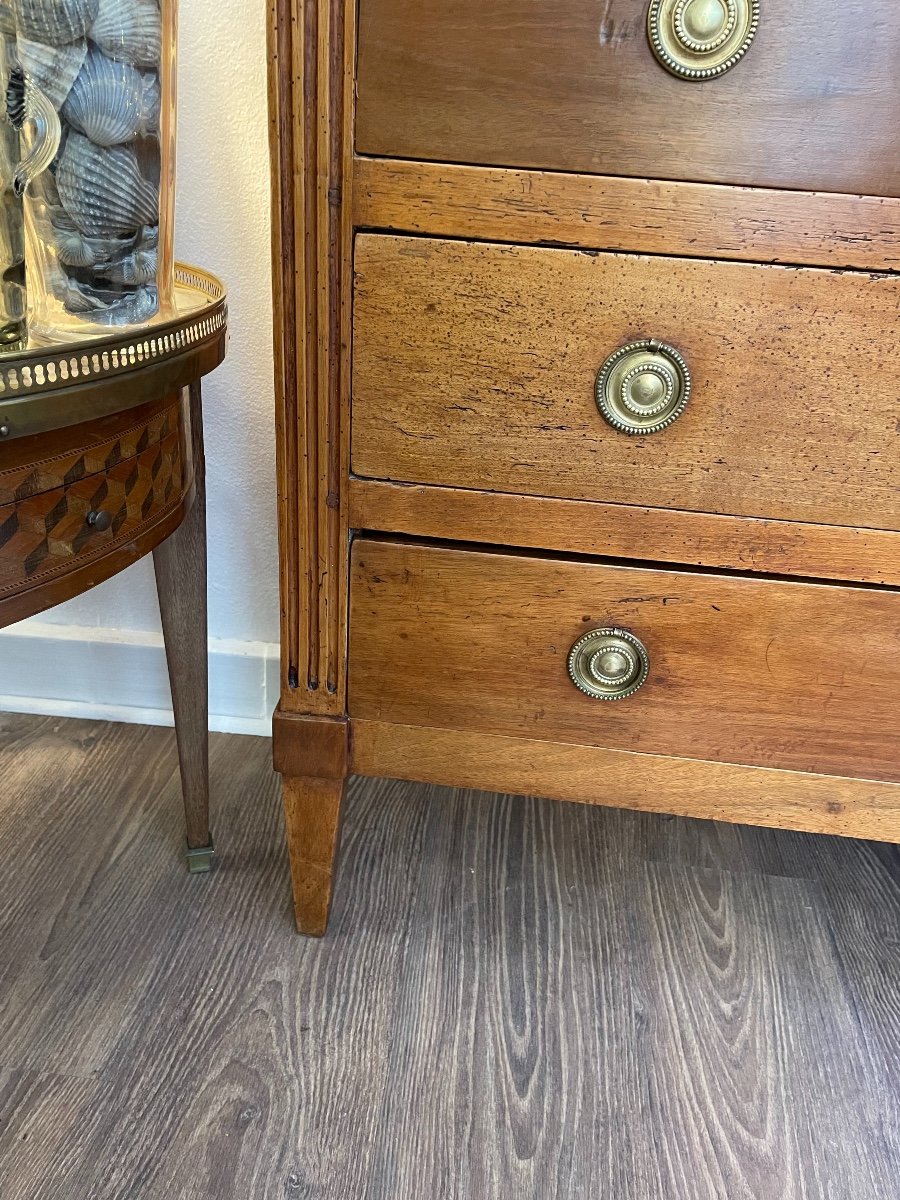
(55, 22)
(148, 238)
(78, 299)
(107, 307)
(103, 190)
(139, 266)
(112, 102)
(74, 249)
(133, 309)
(129, 31)
(52, 68)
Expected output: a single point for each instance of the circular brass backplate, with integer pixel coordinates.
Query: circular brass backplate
(643, 387)
(700, 39)
(608, 664)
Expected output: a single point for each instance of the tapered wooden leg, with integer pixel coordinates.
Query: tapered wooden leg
(312, 810)
(180, 564)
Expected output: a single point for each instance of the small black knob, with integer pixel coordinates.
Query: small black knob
(99, 519)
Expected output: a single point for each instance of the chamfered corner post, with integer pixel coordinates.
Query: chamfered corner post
(311, 46)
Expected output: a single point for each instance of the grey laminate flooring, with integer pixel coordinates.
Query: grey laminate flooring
(515, 999)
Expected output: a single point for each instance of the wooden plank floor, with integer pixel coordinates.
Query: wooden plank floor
(516, 998)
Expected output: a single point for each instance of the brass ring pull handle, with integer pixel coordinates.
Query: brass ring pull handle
(643, 387)
(608, 664)
(700, 39)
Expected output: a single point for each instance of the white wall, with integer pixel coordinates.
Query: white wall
(109, 638)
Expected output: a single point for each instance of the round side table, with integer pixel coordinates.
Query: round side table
(101, 461)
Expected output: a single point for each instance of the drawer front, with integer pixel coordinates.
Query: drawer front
(47, 534)
(789, 675)
(31, 465)
(475, 366)
(575, 86)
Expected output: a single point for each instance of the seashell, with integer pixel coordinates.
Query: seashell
(103, 190)
(112, 102)
(129, 31)
(52, 68)
(77, 298)
(133, 309)
(55, 22)
(109, 307)
(139, 266)
(148, 238)
(74, 249)
(71, 245)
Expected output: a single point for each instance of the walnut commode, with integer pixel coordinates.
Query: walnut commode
(587, 373)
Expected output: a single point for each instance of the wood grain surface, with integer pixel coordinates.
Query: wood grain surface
(309, 747)
(626, 531)
(40, 462)
(170, 1036)
(135, 466)
(89, 570)
(48, 539)
(180, 568)
(312, 817)
(311, 52)
(650, 783)
(474, 366)
(742, 1132)
(648, 216)
(793, 675)
(46, 534)
(571, 1001)
(574, 86)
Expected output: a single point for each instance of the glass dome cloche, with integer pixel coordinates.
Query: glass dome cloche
(26, 108)
(99, 219)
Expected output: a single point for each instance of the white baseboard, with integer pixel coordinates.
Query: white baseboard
(120, 675)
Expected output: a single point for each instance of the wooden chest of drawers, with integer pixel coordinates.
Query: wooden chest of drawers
(589, 407)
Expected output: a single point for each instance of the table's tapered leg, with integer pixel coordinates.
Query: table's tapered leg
(180, 565)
